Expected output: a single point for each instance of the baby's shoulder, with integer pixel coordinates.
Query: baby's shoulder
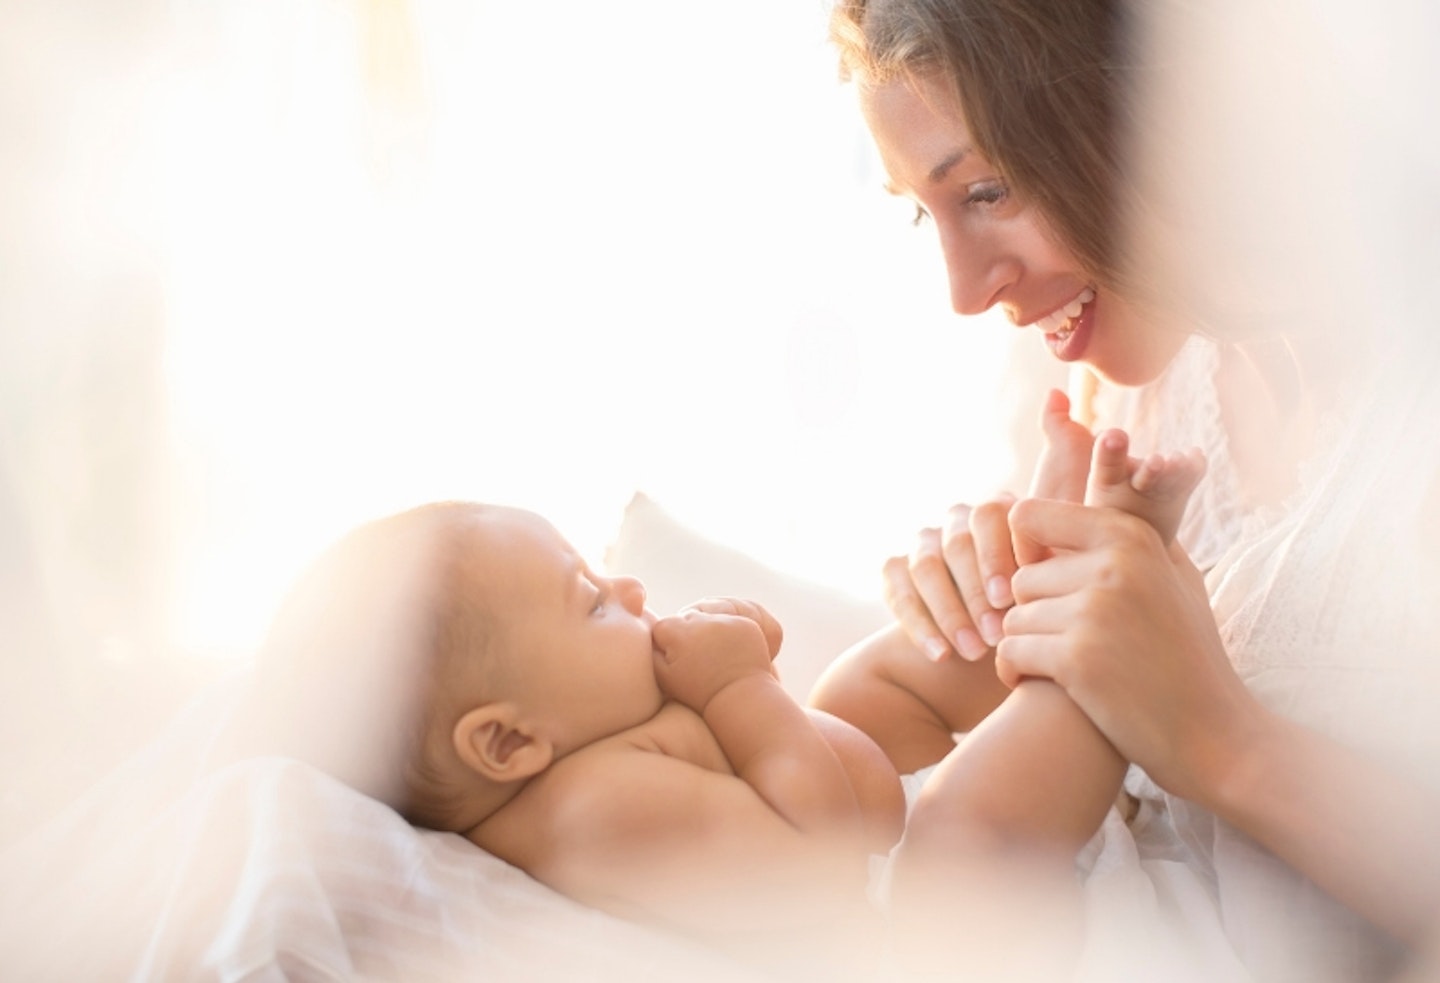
(596, 789)
(595, 772)
(676, 732)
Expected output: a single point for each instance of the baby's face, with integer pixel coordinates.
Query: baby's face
(577, 645)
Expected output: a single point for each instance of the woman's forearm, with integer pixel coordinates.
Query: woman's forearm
(1347, 822)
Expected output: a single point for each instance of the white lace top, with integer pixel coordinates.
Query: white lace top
(1180, 410)
(1330, 610)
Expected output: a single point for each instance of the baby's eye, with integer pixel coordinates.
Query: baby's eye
(597, 606)
(921, 215)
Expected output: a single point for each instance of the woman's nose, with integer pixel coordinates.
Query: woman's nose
(978, 271)
(631, 593)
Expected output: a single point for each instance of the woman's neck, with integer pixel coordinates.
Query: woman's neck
(1265, 405)
(1271, 391)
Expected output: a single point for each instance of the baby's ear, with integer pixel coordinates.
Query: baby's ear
(496, 743)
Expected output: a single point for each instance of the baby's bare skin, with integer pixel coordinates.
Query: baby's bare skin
(1154, 489)
(911, 702)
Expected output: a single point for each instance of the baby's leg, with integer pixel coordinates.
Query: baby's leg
(911, 705)
(1065, 454)
(1063, 467)
(991, 842)
(1155, 489)
(907, 703)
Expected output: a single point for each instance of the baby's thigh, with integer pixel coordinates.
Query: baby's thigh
(908, 703)
(958, 692)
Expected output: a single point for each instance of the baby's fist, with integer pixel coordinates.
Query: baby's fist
(699, 653)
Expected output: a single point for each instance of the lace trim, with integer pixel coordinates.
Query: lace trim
(1179, 410)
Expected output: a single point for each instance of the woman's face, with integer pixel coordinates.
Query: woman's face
(998, 249)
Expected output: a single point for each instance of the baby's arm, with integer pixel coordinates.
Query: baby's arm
(730, 813)
(719, 665)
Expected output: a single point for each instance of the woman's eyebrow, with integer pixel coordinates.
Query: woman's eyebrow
(938, 172)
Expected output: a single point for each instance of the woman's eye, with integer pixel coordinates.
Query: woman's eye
(987, 193)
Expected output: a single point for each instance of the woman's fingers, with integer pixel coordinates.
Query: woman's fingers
(976, 545)
(980, 629)
(904, 601)
(951, 592)
(929, 602)
(994, 558)
(1019, 656)
(1064, 525)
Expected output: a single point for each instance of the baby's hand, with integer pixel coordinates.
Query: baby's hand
(708, 646)
(745, 609)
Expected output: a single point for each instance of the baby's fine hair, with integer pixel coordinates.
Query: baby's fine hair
(353, 674)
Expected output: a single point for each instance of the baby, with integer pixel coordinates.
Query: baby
(999, 817)
(462, 663)
(467, 667)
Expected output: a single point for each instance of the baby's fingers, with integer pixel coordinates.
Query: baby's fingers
(774, 634)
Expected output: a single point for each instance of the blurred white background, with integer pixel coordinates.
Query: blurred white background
(273, 267)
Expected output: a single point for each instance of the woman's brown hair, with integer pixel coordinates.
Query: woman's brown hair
(1041, 85)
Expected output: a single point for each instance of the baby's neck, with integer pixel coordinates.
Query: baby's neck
(481, 804)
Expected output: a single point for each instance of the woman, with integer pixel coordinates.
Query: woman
(1296, 764)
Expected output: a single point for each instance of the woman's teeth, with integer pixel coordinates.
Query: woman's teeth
(1058, 319)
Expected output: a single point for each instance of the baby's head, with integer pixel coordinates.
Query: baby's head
(439, 658)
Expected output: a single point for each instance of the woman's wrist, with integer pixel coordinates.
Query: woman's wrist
(1238, 761)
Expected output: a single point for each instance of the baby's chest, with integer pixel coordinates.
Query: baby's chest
(679, 732)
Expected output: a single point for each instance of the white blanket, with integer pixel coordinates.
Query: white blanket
(270, 870)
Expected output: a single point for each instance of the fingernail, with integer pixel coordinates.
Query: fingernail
(936, 649)
(992, 628)
(970, 644)
(997, 589)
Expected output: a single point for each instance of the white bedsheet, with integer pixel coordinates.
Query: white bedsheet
(270, 870)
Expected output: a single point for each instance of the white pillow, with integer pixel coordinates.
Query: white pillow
(679, 565)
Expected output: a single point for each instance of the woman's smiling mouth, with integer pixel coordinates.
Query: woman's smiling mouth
(1067, 328)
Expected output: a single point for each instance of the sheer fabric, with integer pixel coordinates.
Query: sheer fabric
(1328, 606)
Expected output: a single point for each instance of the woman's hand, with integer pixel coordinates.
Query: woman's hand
(1124, 625)
(951, 591)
